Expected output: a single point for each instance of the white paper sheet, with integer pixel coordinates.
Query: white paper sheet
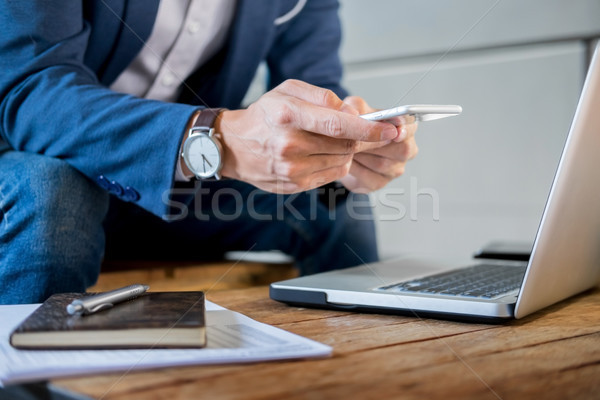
(232, 338)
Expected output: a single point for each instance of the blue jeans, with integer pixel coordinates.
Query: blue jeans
(56, 227)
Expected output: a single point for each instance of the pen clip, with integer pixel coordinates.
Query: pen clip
(100, 307)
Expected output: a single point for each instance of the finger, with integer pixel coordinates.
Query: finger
(339, 125)
(349, 109)
(310, 93)
(403, 151)
(363, 180)
(302, 143)
(312, 181)
(404, 133)
(407, 130)
(297, 169)
(323, 177)
(314, 113)
(367, 146)
(386, 167)
(359, 104)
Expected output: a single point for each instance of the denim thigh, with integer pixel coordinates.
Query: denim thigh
(51, 235)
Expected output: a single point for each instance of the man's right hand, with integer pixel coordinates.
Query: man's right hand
(295, 138)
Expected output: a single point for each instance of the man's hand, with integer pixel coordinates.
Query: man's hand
(376, 164)
(298, 137)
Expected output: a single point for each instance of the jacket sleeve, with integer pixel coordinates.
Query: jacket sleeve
(52, 104)
(307, 48)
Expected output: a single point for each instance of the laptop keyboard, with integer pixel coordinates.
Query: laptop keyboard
(485, 281)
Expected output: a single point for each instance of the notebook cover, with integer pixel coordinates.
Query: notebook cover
(165, 311)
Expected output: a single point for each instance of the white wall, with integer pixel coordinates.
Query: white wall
(516, 67)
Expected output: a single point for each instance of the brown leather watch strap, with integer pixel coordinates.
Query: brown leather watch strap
(206, 117)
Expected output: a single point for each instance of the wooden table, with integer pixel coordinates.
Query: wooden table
(554, 354)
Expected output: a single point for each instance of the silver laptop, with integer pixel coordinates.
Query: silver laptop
(565, 258)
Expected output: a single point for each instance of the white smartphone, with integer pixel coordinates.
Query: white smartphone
(417, 112)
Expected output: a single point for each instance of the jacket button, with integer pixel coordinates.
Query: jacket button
(103, 182)
(116, 188)
(130, 194)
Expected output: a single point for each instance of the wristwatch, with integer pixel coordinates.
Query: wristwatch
(202, 151)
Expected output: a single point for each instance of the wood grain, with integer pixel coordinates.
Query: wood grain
(553, 354)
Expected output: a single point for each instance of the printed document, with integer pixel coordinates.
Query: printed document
(232, 338)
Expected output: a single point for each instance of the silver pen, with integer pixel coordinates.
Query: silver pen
(103, 301)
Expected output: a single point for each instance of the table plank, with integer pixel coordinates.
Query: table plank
(554, 353)
(404, 371)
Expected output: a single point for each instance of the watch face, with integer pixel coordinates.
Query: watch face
(202, 156)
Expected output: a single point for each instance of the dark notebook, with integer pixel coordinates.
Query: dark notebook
(153, 320)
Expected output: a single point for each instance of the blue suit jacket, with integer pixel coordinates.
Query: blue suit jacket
(57, 59)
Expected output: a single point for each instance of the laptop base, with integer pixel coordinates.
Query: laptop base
(316, 299)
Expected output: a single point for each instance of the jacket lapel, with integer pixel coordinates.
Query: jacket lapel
(133, 20)
(104, 18)
(224, 80)
(251, 37)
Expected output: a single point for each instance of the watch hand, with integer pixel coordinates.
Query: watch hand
(204, 159)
